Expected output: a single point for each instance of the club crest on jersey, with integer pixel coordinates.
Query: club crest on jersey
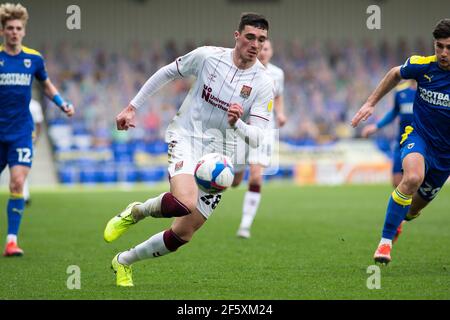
(245, 91)
(27, 63)
(2, 63)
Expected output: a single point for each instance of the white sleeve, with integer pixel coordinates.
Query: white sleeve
(191, 63)
(260, 115)
(156, 82)
(36, 111)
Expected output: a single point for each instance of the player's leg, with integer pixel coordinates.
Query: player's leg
(252, 199)
(167, 241)
(180, 201)
(183, 190)
(19, 154)
(15, 208)
(397, 174)
(432, 184)
(413, 153)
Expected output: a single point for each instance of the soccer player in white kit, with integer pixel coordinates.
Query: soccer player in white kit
(232, 97)
(261, 159)
(38, 118)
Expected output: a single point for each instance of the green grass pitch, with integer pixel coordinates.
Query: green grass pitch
(307, 243)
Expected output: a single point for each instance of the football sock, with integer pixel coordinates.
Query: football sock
(252, 199)
(163, 206)
(16, 205)
(385, 241)
(158, 245)
(151, 207)
(397, 209)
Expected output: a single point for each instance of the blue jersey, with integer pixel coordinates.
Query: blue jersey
(16, 80)
(431, 104)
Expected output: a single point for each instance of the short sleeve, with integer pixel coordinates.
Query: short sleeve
(415, 67)
(41, 71)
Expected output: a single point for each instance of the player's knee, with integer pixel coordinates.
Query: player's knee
(177, 207)
(16, 184)
(412, 181)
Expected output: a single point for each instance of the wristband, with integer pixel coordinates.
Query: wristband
(58, 100)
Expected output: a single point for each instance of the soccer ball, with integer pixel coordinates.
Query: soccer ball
(214, 173)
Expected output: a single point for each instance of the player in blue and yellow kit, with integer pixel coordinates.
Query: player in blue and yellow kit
(18, 66)
(425, 145)
(403, 109)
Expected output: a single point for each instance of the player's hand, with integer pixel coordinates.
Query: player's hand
(369, 130)
(68, 109)
(281, 119)
(235, 112)
(126, 119)
(363, 114)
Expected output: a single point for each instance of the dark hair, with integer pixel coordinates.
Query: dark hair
(442, 29)
(253, 19)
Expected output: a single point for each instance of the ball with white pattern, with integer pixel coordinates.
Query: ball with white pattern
(214, 173)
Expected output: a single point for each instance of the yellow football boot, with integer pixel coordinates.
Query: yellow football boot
(124, 275)
(119, 224)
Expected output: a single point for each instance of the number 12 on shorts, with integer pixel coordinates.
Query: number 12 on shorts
(24, 155)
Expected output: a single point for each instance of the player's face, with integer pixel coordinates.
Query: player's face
(442, 50)
(250, 42)
(13, 32)
(266, 53)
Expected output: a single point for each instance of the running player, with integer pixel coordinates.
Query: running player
(426, 143)
(252, 197)
(230, 84)
(18, 66)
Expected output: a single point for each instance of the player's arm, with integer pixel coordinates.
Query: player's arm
(183, 66)
(52, 93)
(279, 110)
(278, 102)
(390, 81)
(373, 128)
(126, 118)
(50, 90)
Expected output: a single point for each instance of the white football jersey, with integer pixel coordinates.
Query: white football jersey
(218, 84)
